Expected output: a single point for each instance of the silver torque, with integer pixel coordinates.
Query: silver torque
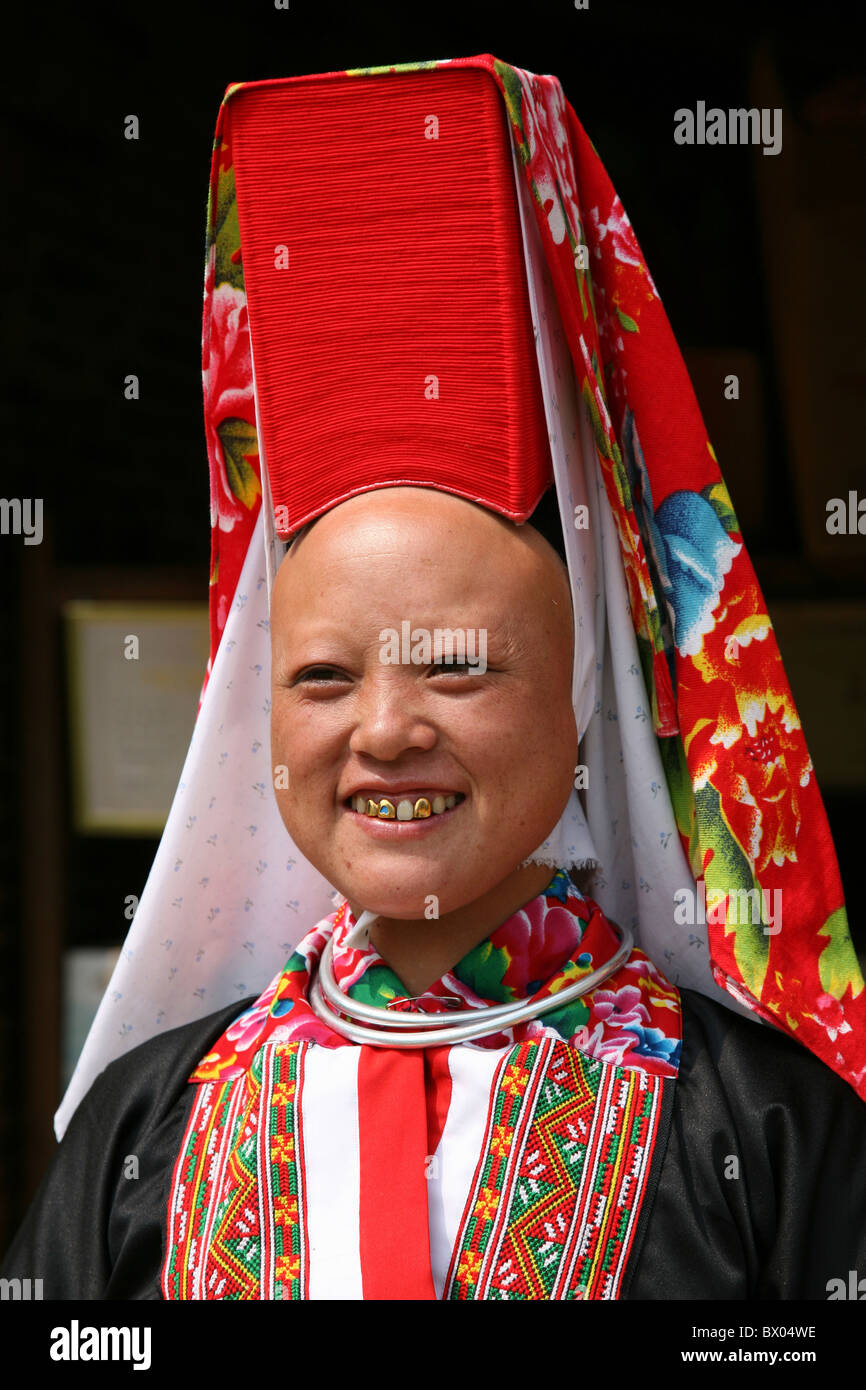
(492, 1019)
(370, 1013)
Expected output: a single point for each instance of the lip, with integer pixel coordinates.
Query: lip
(400, 829)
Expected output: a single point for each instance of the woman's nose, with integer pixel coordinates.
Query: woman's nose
(390, 717)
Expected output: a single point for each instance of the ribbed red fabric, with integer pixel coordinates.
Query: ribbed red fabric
(437, 1083)
(393, 1224)
(437, 383)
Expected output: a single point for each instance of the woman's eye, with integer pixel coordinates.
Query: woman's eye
(326, 674)
(461, 667)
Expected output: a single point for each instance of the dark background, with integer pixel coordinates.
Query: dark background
(103, 276)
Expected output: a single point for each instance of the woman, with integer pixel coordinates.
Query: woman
(366, 1128)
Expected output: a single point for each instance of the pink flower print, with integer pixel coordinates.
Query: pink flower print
(597, 1044)
(228, 396)
(831, 1016)
(538, 939)
(246, 1030)
(619, 1009)
(623, 240)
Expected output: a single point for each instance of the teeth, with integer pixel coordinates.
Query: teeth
(404, 809)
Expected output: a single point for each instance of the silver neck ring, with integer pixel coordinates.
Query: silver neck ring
(365, 1023)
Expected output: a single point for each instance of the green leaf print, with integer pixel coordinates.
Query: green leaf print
(238, 439)
(568, 1019)
(601, 439)
(511, 84)
(719, 499)
(228, 269)
(483, 969)
(837, 964)
(729, 871)
(378, 986)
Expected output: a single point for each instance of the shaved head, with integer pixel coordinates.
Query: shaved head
(349, 720)
(421, 502)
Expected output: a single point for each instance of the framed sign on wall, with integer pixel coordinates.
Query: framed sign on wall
(135, 673)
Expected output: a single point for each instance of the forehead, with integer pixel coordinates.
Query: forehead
(430, 559)
(427, 524)
(402, 507)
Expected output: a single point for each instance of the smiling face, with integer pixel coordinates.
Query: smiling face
(349, 720)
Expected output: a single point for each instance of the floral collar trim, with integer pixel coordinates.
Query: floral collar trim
(633, 1020)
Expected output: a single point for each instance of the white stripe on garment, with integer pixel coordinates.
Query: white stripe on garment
(329, 1116)
(456, 1158)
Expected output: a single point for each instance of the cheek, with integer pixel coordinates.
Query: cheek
(280, 762)
(536, 727)
(300, 734)
(283, 741)
(298, 759)
(534, 753)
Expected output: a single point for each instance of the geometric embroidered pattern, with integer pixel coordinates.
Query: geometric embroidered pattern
(551, 1212)
(563, 1171)
(231, 1236)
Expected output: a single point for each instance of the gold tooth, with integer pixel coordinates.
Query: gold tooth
(386, 810)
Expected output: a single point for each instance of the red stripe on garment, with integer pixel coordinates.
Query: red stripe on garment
(437, 1075)
(392, 1137)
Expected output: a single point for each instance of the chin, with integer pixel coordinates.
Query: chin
(400, 887)
(403, 890)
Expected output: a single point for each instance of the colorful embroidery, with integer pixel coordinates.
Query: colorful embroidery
(551, 1213)
(235, 1220)
(284, 1262)
(563, 1173)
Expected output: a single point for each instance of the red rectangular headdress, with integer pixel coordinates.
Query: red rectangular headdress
(389, 316)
